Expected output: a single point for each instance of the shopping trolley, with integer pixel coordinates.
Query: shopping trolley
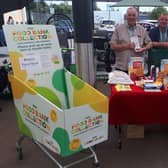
(60, 112)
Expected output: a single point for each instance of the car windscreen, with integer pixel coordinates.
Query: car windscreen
(108, 22)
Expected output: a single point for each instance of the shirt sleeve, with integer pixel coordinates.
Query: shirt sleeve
(114, 37)
(147, 38)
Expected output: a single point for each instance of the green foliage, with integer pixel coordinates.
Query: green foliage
(63, 8)
(40, 10)
(40, 6)
(157, 11)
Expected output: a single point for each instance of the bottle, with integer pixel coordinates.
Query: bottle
(156, 72)
(152, 72)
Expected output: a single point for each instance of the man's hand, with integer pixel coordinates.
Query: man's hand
(140, 49)
(147, 47)
(122, 47)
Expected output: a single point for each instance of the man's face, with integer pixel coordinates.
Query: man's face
(163, 21)
(131, 17)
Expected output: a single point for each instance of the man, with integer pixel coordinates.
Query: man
(159, 34)
(129, 39)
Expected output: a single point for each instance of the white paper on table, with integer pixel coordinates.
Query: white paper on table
(119, 77)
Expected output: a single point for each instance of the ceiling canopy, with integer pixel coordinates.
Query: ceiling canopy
(93, 0)
(146, 3)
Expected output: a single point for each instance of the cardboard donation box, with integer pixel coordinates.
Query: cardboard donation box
(53, 106)
(135, 131)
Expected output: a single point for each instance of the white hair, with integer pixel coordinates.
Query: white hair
(132, 8)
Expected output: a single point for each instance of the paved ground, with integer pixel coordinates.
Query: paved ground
(148, 152)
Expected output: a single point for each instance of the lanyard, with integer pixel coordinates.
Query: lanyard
(163, 35)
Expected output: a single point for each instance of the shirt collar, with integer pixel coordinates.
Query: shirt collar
(131, 27)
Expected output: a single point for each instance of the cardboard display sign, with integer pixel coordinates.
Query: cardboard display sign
(53, 106)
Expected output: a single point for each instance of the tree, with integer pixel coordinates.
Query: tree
(157, 11)
(39, 6)
(63, 8)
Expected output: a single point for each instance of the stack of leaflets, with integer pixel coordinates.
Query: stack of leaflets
(152, 87)
(121, 87)
(119, 77)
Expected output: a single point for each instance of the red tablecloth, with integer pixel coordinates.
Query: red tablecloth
(138, 107)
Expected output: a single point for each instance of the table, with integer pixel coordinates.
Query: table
(138, 107)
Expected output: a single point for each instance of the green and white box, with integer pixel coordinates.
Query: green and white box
(53, 106)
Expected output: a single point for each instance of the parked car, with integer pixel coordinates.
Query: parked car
(108, 25)
(155, 22)
(147, 25)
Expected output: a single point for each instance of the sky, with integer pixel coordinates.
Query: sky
(104, 6)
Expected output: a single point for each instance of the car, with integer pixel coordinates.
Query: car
(155, 22)
(108, 25)
(147, 25)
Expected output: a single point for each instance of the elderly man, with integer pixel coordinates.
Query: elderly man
(159, 34)
(129, 39)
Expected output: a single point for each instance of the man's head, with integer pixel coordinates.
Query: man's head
(163, 21)
(131, 16)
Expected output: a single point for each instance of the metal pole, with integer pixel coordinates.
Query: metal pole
(83, 23)
(29, 20)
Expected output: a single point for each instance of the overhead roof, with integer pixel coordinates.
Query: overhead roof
(93, 0)
(151, 3)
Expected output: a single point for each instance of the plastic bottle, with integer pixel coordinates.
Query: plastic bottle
(152, 72)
